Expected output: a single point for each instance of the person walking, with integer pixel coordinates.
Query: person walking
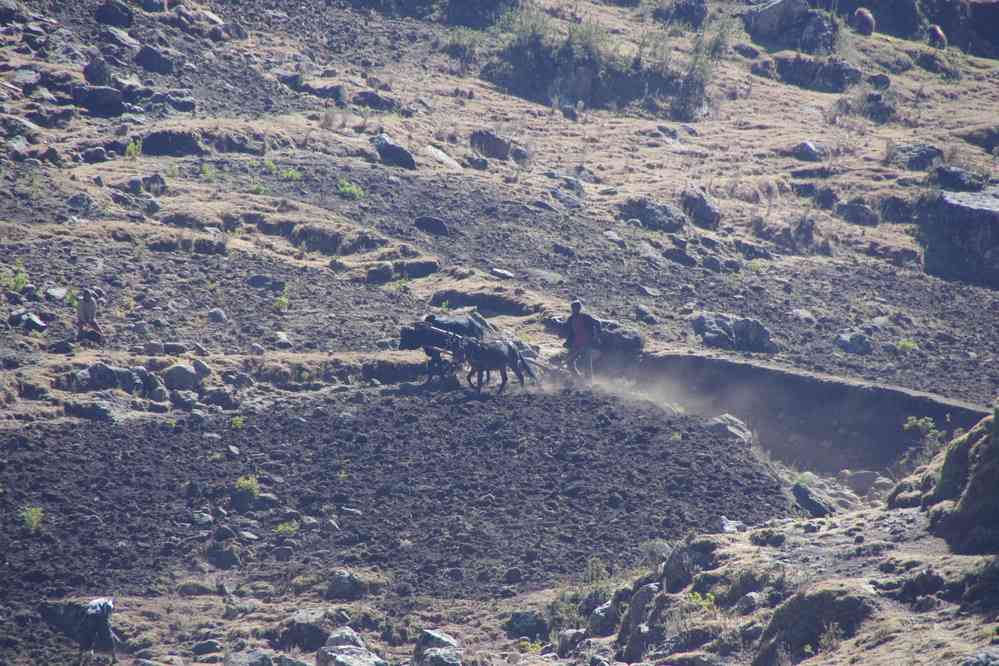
(582, 334)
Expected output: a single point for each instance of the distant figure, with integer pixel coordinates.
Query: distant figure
(96, 628)
(86, 316)
(582, 334)
(936, 37)
(863, 21)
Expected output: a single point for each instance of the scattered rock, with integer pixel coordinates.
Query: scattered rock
(732, 427)
(701, 208)
(114, 12)
(915, 156)
(529, 624)
(655, 216)
(810, 152)
(603, 620)
(824, 75)
(490, 144)
(160, 61)
(172, 143)
(393, 154)
(306, 629)
(344, 636)
(376, 101)
(959, 180)
(727, 331)
(181, 377)
(810, 502)
(859, 481)
(854, 342)
(961, 236)
(856, 211)
(431, 640)
(252, 658)
(348, 655)
(101, 100)
(347, 586)
(432, 225)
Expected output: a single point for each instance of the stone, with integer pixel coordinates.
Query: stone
(810, 502)
(856, 211)
(252, 658)
(603, 620)
(731, 427)
(181, 377)
(442, 157)
(376, 101)
(725, 525)
(344, 636)
(153, 348)
(431, 639)
(348, 655)
(393, 154)
(431, 225)
(772, 20)
(502, 273)
(810, 152)
(306, 629)
(172, 143)
(701, 208)
(114, 12)
(654, 216)
(822, 74)
(915, 156)
(959, 180)
(380, 273)
(207, 647)
(859, 481)
(103, 101)
(217, 315)
(748, 603)
(568, 640)
(175, 348)
(854, 342)
(491, 145)
(529, 624)
(201, 368)
(347, 586)
(960, 235)
(119, 37)
(726, 331)
(159, 61)
(986, 657)
(440, 657)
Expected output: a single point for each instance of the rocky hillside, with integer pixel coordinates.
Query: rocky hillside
(260, 195)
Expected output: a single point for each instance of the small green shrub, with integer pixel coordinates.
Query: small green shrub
(32, 517)
(258, 188)
(287, 528)
(237, 423)
(464, 45)
(906, 345)
(656, 551)
(133, 149)
(72, 299)
(270, 167)
(208, 172)
(293, 175)
(248, 484)
(281, 303)
(349, 190)
(705, 601)
(18, 280)
(596, 571)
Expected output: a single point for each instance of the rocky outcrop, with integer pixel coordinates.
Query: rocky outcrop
(727, 331)
(960, 236)
(792, 24)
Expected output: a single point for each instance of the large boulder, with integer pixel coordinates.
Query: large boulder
(960, 487)
(478, 13)
(181, 377)
(808, 500)
(172, 143)
(115, 13)
(103, 101)
(306, 629)
(348, 655)
(160, 61)
(792, 24)
(701, 208)
(603, 620)
(801, 620)
(527, 624)
(491, 145)
(822, 74)
(653, 215)
(431, 639)
(393, 154)
(726, 331)
(960, 235)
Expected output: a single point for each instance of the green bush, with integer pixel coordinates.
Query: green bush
(32, 517)
(349, 190)
(248, 484)
(287, 528)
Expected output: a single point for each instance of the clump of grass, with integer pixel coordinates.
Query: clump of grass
(237, 423)
(248, 484)
(692, 101)
(32, 517)
(208, 172)
(270, 167)
(907, 345)
(17, 281)
(349, 190)
(656, 551)
(282, 303)
(464, 45)
(293, 175)
(72, 299)
(287, 528)
(133, 149)
(931, 441)
(258, 188)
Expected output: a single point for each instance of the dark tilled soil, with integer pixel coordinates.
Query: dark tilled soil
(453, 492)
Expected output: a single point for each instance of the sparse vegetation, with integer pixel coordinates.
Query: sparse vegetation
(349, 190)
(208, 173)
(282, 303)
(465, 46)
(32, 518)
(133, 149)
(249, 485)
(907, 345)
(931, 440)
(287, 528)
(237, 422)
(17, 280)
(294, 175)
(270, 167)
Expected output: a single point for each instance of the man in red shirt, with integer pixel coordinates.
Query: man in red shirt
(582, 333)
